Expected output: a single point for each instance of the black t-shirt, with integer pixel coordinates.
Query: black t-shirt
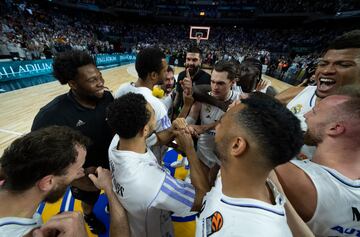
(64, 110)
(200, 78)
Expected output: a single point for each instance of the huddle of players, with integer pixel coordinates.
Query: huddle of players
(232, 185)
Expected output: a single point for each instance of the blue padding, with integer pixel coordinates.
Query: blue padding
(20, 74)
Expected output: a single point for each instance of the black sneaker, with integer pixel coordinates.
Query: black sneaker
(95, 225)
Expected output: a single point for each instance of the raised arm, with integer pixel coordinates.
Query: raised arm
(119, 226)
(287, 95)
(198, 176)
(200, 93)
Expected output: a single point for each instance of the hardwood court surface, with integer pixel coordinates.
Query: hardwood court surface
(18, 108)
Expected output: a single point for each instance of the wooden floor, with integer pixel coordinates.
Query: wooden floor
(18, 108)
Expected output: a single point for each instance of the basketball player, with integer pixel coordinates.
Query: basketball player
(193, 75)
(119, 226)
(247, 142)
(326, 190)
(35, 168)
(67, 224)
(168, 86)
(146, 191)
(222, 79)
(82, 108)
(248, 79)
(339, 66)
(151, 67)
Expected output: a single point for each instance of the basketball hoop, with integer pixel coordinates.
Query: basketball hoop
(199, 33)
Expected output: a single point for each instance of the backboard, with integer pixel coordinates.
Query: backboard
(199, 32)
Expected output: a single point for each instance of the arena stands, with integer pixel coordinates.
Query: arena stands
(201, 103)
(33, 30)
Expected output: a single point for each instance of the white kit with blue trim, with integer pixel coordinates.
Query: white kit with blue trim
(337, 210)
(18, 227)
(303, 103)
(147, 192)
(225, 216)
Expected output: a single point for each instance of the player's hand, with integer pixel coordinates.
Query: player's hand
(179, 124)
(103, 179)
(66, 224)
(184, 140)
(261, 85)
(196, 130)
(192, 131)
(186, 84)
(233, 104)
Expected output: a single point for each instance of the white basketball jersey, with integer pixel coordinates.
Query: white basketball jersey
(17, 226)
(303, 103)
(338, 201)
(225, 216)
(147, 192)
(206, 144)
(299, 106)
(162, 120)
(237, 88)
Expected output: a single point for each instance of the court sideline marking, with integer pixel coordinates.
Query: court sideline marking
(11, 132)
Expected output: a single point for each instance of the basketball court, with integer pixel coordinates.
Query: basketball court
(19, 107)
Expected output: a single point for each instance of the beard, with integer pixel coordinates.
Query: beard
(310, 139)
(193, 70)
(82, 95)
(56, 193)
(94, 97)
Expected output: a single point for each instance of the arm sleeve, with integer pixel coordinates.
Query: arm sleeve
(176, 196)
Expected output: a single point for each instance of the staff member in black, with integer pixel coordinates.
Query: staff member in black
(82, 108)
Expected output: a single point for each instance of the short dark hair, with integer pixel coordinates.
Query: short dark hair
(128, 114)
(237, 65)
(66, 64)
(254, 62)
(39, 153)
(149, 60)
(274, 128)
(194, 49)
(249, 75)
(226, 66)
(170, 69)
(346, 41)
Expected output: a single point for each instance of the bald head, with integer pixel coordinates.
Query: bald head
(336, 116)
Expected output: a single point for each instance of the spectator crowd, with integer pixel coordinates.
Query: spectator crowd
(31, 31)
